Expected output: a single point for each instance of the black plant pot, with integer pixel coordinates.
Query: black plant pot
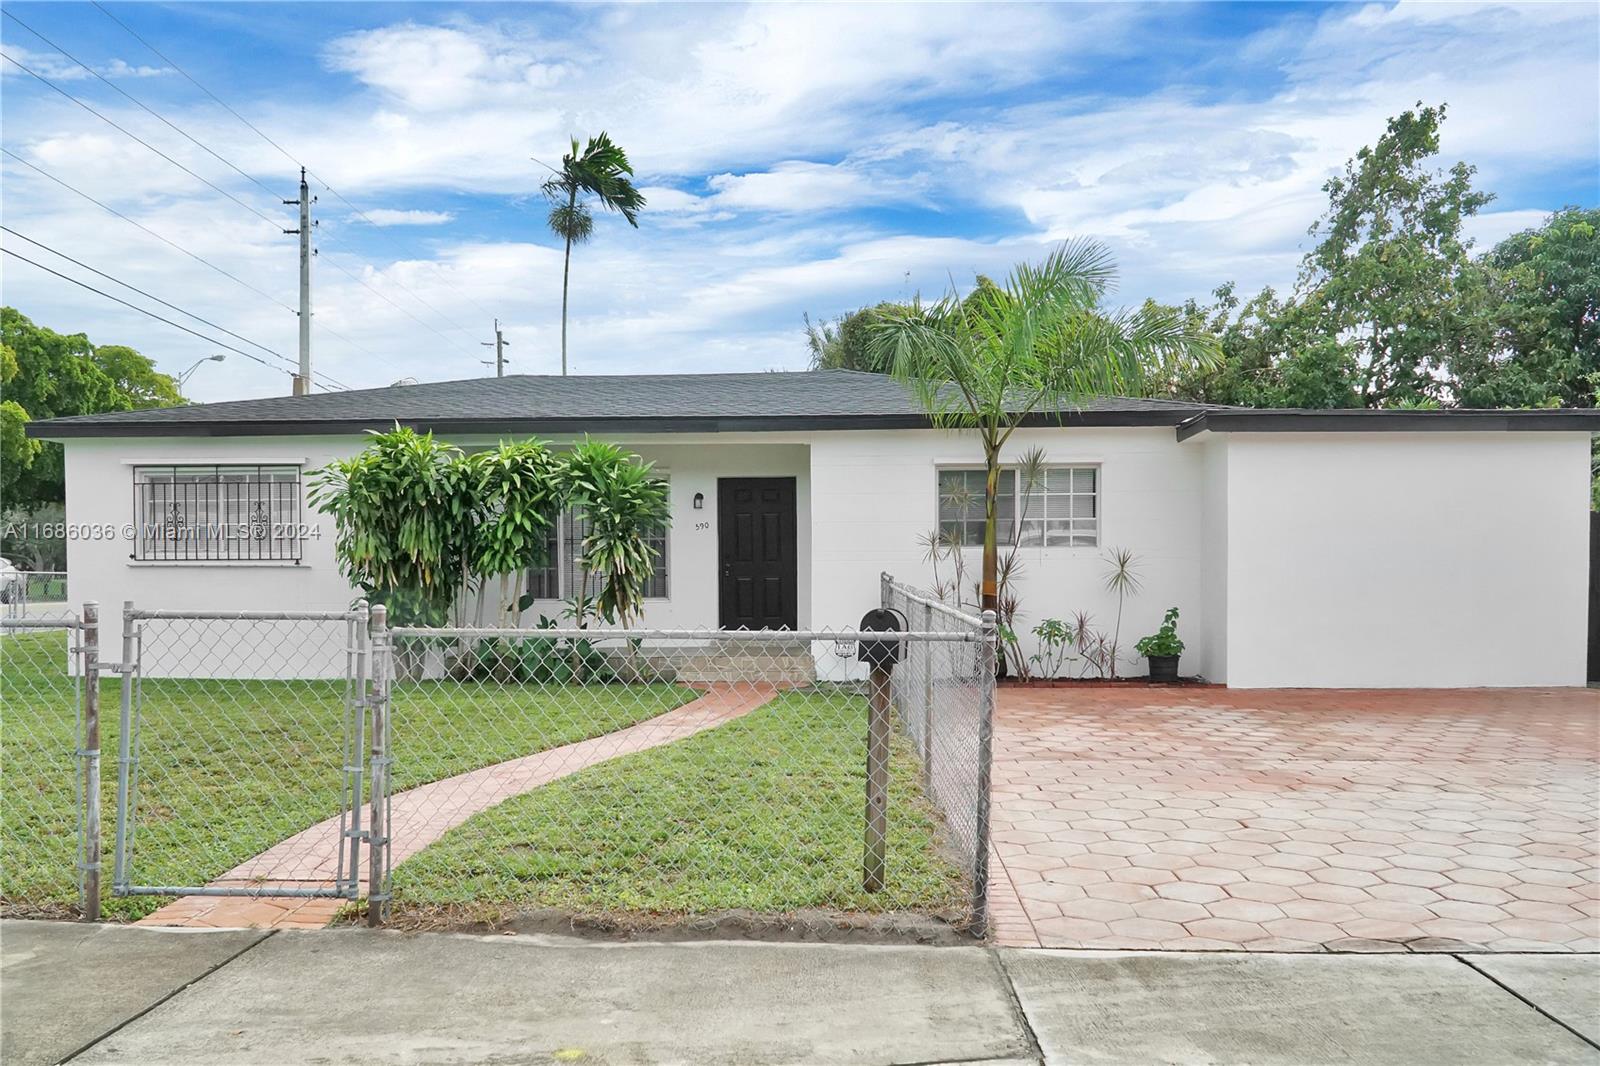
(1163, 667)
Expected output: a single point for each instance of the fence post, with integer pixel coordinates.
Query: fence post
(929, 650)
(377, 822)
(878, 681)
(355, 766)
(90, 649)
(119, 858)
(980, 863)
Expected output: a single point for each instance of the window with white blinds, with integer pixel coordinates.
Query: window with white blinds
(1061, 510)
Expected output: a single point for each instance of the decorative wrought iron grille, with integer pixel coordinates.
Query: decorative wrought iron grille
(217, 513)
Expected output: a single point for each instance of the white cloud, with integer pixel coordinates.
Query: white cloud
(57, 67)
(757, 131)
(384, 216)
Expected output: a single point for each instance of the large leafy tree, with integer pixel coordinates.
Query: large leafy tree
(1271, 356)
(1038, 344)
(1542, 290)
(846, 342)
(1389, 274)
(599, 171)
(48, 374)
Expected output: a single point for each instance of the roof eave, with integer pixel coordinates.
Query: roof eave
(1365, 421)
(74, 429)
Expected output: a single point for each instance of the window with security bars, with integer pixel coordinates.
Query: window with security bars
(1061, 510)
(561, 577)
(221, 513)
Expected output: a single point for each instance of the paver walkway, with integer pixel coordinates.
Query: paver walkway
(1209, 819)
(421, 815)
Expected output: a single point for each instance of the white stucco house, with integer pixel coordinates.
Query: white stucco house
(1304, 548)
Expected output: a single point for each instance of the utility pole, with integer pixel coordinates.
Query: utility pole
(498, 344)
(302, 380)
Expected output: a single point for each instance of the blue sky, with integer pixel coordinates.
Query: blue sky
(796, 160)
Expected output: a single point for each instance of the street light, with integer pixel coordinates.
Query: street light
(183, 378)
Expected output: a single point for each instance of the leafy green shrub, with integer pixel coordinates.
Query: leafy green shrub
(1055, 640)
(1164, 641)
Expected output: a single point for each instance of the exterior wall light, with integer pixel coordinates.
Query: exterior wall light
(699, 501)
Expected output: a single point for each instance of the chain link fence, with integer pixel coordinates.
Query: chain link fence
(45, 751)
(34, 594)
(240, 754)
(944, 700)
(619, 775)
(659, 773)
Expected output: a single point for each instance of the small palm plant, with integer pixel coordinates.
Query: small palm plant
(1122, 578)
(1040, 344)
(601, 170)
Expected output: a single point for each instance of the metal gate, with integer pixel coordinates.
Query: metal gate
(242, 753)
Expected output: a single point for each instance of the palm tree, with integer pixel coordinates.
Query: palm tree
(600, 170)
(1041, 344)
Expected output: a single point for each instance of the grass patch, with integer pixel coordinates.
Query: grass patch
(230, 767)
(764, 813)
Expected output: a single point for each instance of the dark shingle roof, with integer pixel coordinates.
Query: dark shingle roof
(711, 403)
(683, 403)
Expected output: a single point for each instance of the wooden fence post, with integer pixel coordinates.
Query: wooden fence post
(878, 681)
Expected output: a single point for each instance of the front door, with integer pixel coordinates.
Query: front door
(756, 553)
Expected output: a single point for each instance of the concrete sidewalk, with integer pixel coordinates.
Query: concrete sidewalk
(117, 994)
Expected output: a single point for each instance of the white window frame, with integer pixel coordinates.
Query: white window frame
(1007, 534)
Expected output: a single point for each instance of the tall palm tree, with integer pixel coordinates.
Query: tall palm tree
(1040, 344)
(601, 170)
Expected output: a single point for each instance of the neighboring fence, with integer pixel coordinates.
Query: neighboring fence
(944, 696)
(599, 772)
(33, 593)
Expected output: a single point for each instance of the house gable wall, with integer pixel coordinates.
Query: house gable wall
(1395, 560)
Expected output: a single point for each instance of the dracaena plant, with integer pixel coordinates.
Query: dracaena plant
(401, 510)
(620, 504)
(515, 489)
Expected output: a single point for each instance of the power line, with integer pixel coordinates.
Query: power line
(141, 104)
(147, 295)
(316, 322)
(282, 151)
(173, 244)
(126, 132)
(144, 311)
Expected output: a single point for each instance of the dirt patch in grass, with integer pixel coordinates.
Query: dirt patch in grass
(808, 926)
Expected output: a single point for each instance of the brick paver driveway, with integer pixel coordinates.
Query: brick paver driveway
(1213, 819)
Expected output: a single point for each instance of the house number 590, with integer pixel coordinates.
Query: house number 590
(702, 525)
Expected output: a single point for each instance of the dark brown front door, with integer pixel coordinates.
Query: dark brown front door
(756, 553)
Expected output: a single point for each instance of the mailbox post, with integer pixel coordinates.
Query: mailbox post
(880, 657)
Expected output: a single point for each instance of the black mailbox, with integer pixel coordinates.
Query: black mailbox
(880, 653)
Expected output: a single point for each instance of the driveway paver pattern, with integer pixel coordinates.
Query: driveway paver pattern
(1297, 820)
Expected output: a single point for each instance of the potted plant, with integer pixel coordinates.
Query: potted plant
(1163, 648)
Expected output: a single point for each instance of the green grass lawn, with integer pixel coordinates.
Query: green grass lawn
(229, 768)
(764, 813)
